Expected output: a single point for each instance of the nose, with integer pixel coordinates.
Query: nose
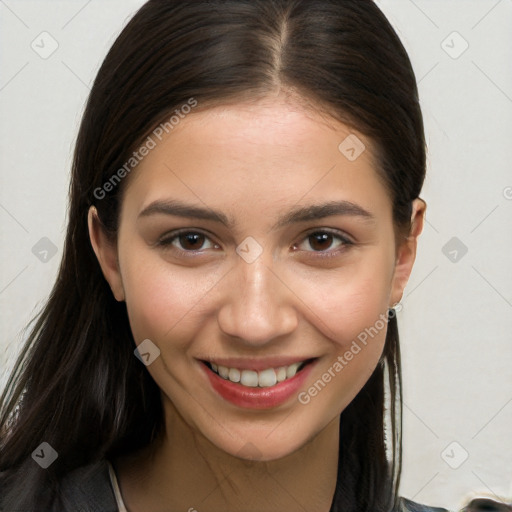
(257, 306)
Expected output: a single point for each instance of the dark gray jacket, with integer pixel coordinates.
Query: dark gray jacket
(88, 489)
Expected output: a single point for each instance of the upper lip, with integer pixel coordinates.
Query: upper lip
(257, 364)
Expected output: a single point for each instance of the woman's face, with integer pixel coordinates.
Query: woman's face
(269, 281)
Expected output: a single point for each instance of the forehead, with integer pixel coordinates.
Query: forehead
(256, 158)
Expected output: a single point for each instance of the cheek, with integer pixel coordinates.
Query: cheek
(349, 302)
(355, 324)
(163, 301)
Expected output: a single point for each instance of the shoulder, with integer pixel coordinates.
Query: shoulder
(85, 489)
(89, 489)
(405, 505)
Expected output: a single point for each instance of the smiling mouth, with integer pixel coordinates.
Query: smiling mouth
(263, 379)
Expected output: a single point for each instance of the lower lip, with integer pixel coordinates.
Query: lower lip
(258, 398)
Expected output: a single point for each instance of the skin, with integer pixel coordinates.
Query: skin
(254, 162)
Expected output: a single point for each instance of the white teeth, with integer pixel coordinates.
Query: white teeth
(267, 378)
(281, 374)
(264, 379)
(292, 370)
(249, 378)
(234, 375)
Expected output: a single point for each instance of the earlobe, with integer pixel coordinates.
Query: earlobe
(106, 253)
(406, 253)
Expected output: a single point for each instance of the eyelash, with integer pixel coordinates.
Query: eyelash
(346, 243)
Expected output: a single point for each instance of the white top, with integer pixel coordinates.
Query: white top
(115, 486)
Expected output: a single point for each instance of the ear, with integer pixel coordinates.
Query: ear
(406, 252)
(106, 252)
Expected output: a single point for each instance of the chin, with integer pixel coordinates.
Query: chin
(261, 445)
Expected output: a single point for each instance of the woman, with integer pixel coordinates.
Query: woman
(244, 215)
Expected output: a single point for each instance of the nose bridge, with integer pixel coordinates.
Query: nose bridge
(257, 306)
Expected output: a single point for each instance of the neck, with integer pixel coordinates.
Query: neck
(193, 474)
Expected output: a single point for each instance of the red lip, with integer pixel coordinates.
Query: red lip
(258, 398)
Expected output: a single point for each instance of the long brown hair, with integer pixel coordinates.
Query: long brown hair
(77, 384)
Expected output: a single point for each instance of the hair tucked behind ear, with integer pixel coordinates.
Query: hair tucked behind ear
(77, 384)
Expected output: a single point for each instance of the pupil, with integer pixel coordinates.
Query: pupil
(192, 239)
(324, 237)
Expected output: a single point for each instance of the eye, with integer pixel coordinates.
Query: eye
(186, 241)
(322, 240)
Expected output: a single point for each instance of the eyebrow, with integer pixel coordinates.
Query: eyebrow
(297, 214)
